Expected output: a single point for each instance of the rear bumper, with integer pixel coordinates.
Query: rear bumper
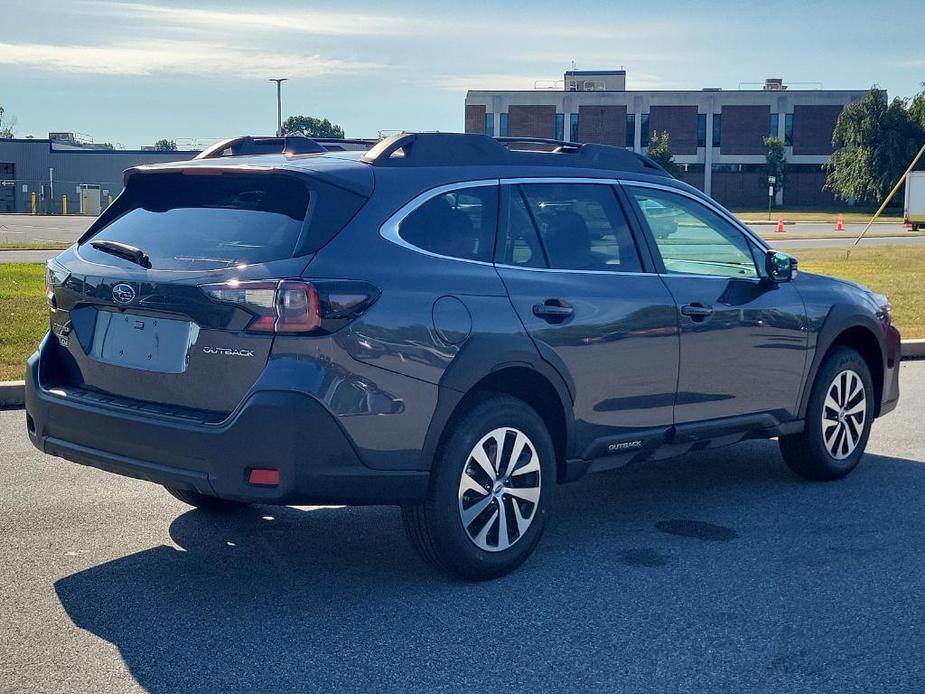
(287, 430)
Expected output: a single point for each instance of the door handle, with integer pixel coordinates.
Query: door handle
(553, 310)
(697, 311)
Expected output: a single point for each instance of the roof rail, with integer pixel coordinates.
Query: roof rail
(339, 144)
(442, 149)
(249, 144)
(546, 144)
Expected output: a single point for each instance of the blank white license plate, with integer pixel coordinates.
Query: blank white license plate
(142, 342)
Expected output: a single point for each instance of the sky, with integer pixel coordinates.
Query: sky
(133, 72)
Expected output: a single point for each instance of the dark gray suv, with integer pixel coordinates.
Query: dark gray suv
(449, 323)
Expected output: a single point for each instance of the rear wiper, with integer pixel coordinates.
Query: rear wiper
(123, 250)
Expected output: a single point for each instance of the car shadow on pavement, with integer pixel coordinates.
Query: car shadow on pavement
(717, 571)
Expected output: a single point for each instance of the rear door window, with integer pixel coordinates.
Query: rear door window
(458, 224)
(194, 222)
(582, 227)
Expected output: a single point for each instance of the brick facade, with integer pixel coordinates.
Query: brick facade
(532, 121)
(475, 119)
(812, 128)
(681, 124)
(605, 125)
(740, 188)
(743, 129)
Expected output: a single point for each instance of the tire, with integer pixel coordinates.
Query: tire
(480, 548)
(825, 452)
(204, 501)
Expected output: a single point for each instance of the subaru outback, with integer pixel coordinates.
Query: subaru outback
(453, 324)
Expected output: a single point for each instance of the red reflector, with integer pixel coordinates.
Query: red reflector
(265, 476)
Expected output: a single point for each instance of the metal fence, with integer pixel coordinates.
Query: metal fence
(54, 197)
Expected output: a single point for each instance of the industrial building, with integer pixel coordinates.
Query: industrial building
(40, 174)
(716, 135)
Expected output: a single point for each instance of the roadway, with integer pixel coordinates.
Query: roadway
(718, 572)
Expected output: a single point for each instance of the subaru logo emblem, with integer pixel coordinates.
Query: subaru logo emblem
(123, 293)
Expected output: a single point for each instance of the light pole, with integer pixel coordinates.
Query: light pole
(279, 103)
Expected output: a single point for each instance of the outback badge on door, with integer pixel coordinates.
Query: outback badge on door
(123, 293)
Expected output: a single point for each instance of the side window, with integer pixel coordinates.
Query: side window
(582, 227)
(691, 238)
(520, 246)
(459, 224)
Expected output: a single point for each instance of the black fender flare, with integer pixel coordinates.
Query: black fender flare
(841, 317)
(481, 357)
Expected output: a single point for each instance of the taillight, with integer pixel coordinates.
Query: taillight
(294, 306)
(55, 275)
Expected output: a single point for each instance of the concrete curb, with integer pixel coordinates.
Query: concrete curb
(913, 349)
(13, 393)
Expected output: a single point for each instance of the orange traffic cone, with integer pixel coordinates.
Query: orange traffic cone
(840, 223)
(780, 225)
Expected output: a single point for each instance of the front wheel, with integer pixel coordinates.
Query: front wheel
(490, 490)
(838, 419)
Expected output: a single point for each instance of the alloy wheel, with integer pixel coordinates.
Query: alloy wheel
(499, 489)
(843, 414)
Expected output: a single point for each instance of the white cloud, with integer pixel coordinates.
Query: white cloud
(523, 81)
(306, 21)
(173, 57)
(489, 81)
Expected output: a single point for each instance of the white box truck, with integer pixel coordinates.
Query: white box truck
(914, 207)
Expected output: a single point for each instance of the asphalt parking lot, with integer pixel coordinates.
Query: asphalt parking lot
(715, 572)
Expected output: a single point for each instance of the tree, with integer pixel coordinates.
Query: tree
(6, 126)
(311, 127)
(875, 140)
(166, 145)
(775, 164)
(660, 152)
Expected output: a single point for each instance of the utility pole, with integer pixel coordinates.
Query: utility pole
(279, 103)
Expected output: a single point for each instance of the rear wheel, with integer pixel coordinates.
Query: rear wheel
(204, 501)
(838, 419)
(490, 490)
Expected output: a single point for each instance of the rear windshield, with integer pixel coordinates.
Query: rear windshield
(194, 222)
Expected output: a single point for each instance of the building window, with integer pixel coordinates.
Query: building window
(560, 126)
(644, 138)
(573, 127)
(701, 129)
(503, 127)
(630, 130)
(737, 168)
(490, 124)
(788, 130)
(716, 129)
(772, 125)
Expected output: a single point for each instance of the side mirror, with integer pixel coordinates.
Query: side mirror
(780, 266)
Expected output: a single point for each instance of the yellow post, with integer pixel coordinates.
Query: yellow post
(108, 200)
(34, 205)
(64, 204)
(889, 197)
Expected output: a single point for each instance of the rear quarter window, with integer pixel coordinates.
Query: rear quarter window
(458, 224)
